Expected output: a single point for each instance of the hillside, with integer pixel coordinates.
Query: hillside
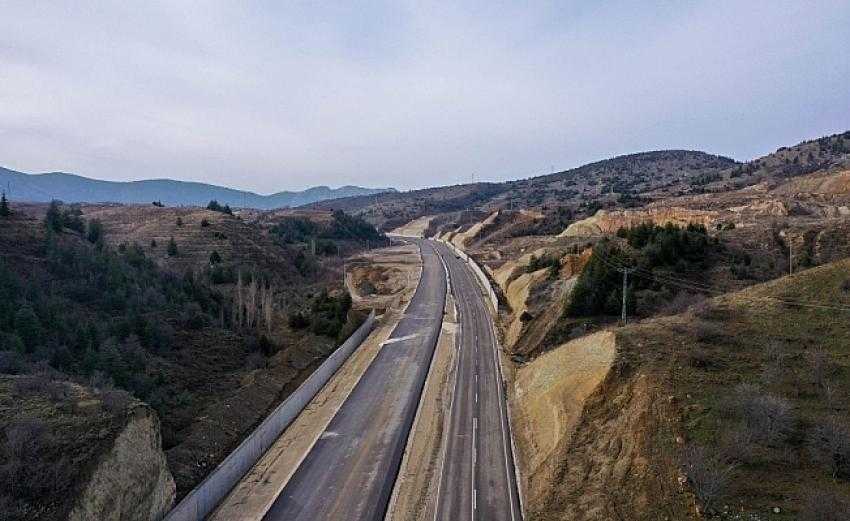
(621, 182)
(210, 335)
(77, 189)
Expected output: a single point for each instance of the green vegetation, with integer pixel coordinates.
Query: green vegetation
(550, 261)
(171, 249)
(294, 230)
(85, 311)
(94, 232)
(759, 379)
(58, 217)
(215, 258)
(651, 249)
(4, 206)
(343, 227)
(216, 207)
(327, 316)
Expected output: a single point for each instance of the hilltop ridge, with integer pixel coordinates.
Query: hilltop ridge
(78, 189)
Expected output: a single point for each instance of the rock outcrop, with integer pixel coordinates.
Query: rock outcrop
(131, 481)
(608, 222)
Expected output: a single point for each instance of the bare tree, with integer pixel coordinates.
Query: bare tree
(268, 308)
(830, 444)
(820, 366)
(769, 418)
(709, 475)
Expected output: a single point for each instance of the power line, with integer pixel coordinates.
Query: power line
(686, 284)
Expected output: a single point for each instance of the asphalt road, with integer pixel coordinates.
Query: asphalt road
(477, 480)
(350, 471)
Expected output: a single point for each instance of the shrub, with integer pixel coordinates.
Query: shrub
(820, 366)
(179, 221)
(681, 302)
(11, 362)
(216, 207)
(30, 467)
(709, 475)
(769, 418)
(204, 223)
(115, 400)
(255, 360)
(737, 444)
(30, 385)
(215, 258)
(297, 320)
(829, 443)
(701, 358)
(193, 317)
(707, 332)
(58, 391)
(823, 505)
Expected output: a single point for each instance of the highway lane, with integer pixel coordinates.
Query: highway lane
(477, 479)
(350, 471)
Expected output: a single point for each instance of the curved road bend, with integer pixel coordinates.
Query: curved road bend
(477, 480)
(350, 471)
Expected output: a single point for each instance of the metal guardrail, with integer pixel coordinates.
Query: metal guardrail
(202, 500)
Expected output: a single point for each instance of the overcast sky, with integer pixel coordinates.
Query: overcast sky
(272, 95)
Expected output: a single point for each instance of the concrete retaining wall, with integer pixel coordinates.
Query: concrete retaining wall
(201, 501)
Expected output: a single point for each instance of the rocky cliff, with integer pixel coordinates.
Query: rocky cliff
(131, 481)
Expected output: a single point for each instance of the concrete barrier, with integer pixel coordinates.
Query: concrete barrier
(203, 499)
(479, 274)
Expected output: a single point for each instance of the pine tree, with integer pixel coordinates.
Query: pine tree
(4, 206)
(53, 218)
(172, 248)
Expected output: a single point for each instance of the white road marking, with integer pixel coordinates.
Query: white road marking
(474, 462)
(399, 339)
(458, 336)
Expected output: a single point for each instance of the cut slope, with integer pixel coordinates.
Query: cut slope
(549, 395)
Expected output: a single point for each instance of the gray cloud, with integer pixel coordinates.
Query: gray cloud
(269, 97)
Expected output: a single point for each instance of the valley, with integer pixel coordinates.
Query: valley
(181, 328)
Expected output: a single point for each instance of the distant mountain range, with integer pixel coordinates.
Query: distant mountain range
(73, 188)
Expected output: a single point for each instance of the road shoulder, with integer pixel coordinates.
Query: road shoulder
(257, 491)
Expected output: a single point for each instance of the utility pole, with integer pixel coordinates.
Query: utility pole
(625, 272)
(790, 256)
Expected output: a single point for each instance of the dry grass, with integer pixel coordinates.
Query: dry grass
(763, 384)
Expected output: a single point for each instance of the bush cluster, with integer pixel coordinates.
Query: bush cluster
(651, 248)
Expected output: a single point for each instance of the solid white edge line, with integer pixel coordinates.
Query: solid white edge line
(474, 464)
(448, 413)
